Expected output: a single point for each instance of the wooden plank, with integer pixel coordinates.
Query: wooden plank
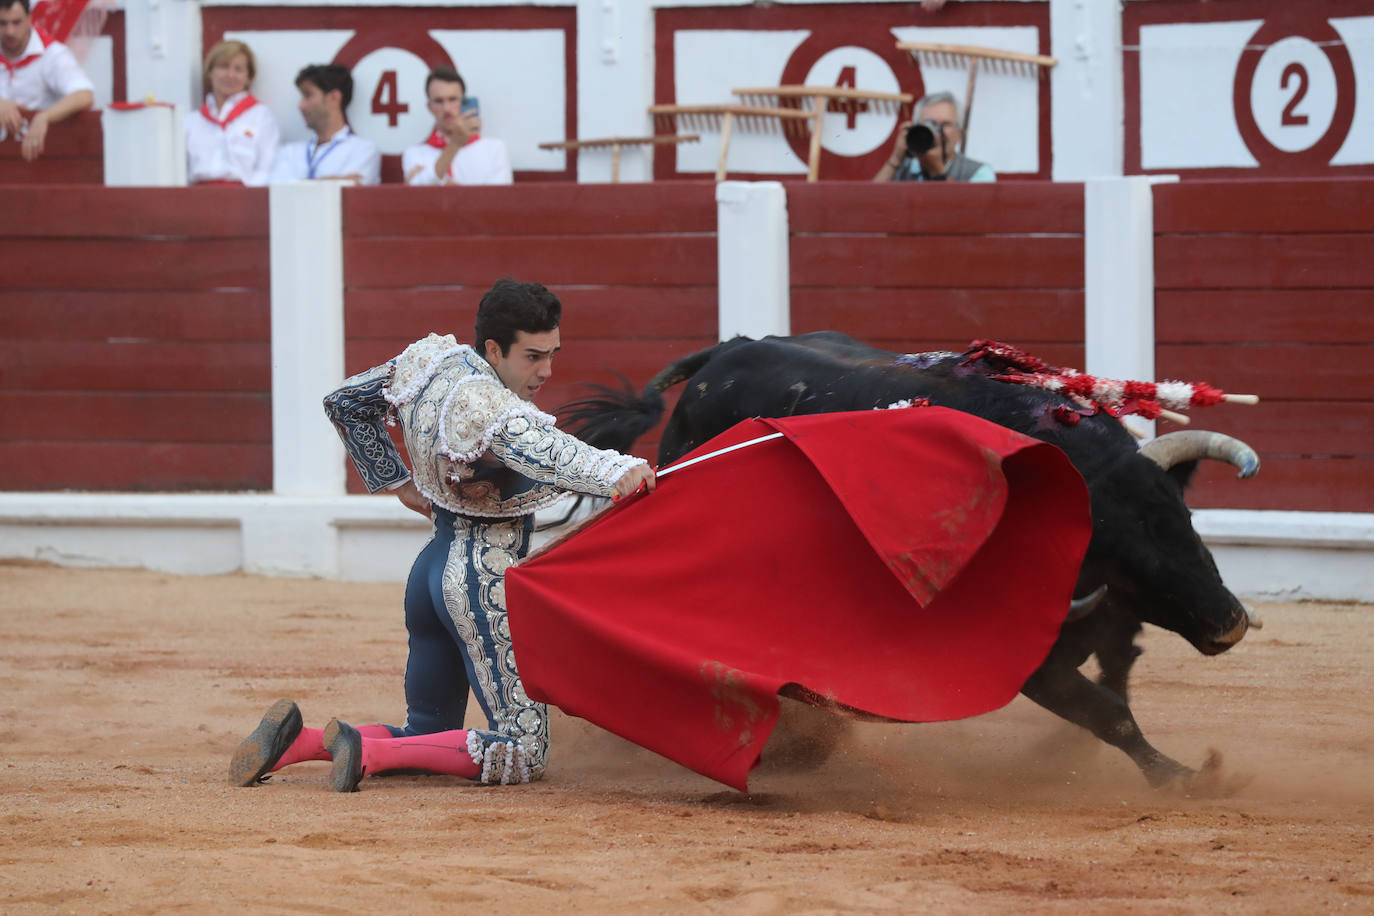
(937, 261)
(44, 172)
(1334, 372)
(1285, 205)
(1021, 316)
(135, 466)
(88, 366)
(1296, 484)
(1313, 260)
(125, 213)
(138, 416)
(80, 136)
(554, 208)
(1264, 316)
(605, 260)
(582, 360)
(645, 312)
(1294, 429)
(919, 208)
(241, 314)
(125, 264)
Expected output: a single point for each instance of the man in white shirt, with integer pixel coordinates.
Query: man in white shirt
(456, 152)
(38, 74)
(335, 151)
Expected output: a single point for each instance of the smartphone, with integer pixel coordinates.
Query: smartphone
(470, 105)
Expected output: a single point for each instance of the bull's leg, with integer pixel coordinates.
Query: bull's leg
(1116, 654)
(1071, 696)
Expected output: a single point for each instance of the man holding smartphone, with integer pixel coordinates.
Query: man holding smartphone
(456, 152)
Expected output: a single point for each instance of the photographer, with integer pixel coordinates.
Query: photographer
(927, 149)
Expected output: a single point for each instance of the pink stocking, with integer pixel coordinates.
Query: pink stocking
(441, 752)
(309, 745)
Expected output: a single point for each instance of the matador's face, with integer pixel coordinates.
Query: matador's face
(528, 364)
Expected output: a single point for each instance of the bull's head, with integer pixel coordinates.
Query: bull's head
(1146, 550)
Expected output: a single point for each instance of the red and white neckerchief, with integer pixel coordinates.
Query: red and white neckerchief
(27, 59)
(243, 105)
(439, 141)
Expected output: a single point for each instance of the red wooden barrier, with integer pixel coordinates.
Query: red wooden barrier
(136, 352)
(914, 267)
(73, 153)
(634, 264)
(1267, 287)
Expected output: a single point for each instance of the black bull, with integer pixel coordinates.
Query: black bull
(1143, 549)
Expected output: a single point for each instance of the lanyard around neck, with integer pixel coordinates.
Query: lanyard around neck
(312, 162)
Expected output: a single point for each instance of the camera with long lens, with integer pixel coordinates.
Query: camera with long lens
(922, 136)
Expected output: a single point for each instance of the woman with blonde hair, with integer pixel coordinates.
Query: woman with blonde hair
(233, 138)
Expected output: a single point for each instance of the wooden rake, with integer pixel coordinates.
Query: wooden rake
(815, 101)
(930, 54)
(722, 118)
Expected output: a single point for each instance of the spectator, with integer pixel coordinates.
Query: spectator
(233, 138)
(942, 161)
(335, 152)
(40, 75)
(456, 153)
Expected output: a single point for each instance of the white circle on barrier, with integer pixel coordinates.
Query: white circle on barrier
(388, 104)
(855, 128)
(1293, 94)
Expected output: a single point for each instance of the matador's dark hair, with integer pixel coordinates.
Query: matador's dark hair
(511, 306)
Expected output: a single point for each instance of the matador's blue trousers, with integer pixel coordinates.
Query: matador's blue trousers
(455, 608)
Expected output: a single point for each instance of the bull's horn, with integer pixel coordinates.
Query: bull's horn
(1195, 444)
(1254, 619)
(1082, 607)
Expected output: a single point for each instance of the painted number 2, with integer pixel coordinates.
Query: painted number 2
(386, 101)
(1291, 117)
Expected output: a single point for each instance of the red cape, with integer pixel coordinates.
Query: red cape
(911, 564)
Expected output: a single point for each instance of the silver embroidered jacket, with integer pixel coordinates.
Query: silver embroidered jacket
(456, 414)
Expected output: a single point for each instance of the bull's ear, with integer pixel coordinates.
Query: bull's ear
(1182, 473)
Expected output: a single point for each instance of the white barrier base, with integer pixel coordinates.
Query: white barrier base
(1326, 556)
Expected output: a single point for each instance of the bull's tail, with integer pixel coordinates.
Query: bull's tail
(615, 417)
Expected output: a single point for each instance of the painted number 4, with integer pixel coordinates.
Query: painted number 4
(386, 100)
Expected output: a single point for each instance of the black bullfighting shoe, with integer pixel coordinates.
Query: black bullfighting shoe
(345, 745)
(261, 750)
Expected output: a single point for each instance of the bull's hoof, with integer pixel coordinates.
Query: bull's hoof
(1212, 781)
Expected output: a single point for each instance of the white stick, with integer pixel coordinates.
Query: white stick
(720, 451)
(1240, 398)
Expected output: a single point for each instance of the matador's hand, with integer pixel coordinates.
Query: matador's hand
(631, 480)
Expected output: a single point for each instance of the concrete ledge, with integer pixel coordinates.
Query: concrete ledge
(1293, 555)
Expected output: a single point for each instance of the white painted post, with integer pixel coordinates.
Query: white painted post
(1087, 96)
(307, 336)
(615, 85)
(162, 50)
(1119, 281)
(752, 258)
(144, 147)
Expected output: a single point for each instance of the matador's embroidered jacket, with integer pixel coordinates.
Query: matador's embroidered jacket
(456, 416)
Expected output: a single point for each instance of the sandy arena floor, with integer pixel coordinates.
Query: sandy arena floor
(126, 691)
